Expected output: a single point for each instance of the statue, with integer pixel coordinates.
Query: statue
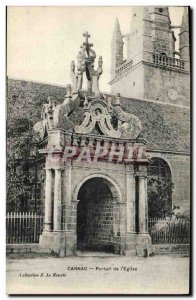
(85, 64)
(128, 124)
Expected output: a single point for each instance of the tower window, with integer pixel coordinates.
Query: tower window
(134, 83)
(134, 15)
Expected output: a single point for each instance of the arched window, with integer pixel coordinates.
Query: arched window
(159, 188)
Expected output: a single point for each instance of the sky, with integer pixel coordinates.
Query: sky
(42, 41)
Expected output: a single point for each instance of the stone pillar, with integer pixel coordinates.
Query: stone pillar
(57, 200)
(55, 240)
(143, 239)
(130, 247)
(130, 191)
(67, 186)
(48, 201)
(143, 214)
(119, 227)
(68, 213)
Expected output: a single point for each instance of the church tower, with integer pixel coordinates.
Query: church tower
(154, 70)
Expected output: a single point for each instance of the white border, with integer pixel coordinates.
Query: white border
(3, 4)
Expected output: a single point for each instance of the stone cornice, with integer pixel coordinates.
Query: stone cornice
(168, 152)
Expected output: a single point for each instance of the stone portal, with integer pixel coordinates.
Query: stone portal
(96, 169)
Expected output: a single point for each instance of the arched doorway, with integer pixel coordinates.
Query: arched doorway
(95, 215)
(159, 188)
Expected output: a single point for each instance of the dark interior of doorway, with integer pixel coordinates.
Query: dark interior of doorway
(95, 216)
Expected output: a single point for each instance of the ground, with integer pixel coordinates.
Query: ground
(102, 275)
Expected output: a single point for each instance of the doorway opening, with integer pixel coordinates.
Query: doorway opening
(95, 216)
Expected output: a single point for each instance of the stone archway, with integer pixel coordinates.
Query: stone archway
(96, 215)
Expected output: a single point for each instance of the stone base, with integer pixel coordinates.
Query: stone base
(119, 245)
(130, 244)
(143, 245)
(63, 243)
(57, 242)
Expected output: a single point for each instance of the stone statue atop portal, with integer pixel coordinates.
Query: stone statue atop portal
(85, 65)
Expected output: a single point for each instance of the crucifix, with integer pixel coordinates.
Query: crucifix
(86, 43)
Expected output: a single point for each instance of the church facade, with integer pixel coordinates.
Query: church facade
(101, 153)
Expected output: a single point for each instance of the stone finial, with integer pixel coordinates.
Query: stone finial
(85, 65)
(117, 36)
(100, 61)
(50, 105)
(117, 100)
(68, 91)
(116, 49)
(73, 66)
(86, 43)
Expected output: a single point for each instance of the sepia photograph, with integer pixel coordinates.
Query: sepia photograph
(98, 147)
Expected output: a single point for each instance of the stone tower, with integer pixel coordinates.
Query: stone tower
(154, 70)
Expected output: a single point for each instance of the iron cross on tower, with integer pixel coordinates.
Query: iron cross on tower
(86, 43)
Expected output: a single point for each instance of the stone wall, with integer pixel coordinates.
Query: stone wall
(177, 80)
(131, 84)
(115, 172)
(146, 81)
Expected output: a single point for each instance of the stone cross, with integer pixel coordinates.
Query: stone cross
(86, 43)
(86, 35)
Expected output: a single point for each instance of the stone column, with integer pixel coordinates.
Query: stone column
(132, 224)
(57, 200)
(143, 213)
(48, 201)
(130, 246)
(68, 183)
(143, 239)
(119, 226)
(130, 191)
(55, 240)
